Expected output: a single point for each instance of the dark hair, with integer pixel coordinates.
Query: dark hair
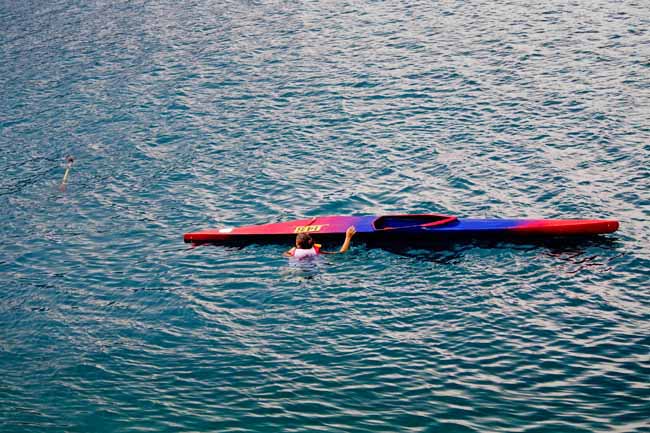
(304, 241)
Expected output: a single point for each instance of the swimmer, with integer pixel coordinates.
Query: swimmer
(305, 246)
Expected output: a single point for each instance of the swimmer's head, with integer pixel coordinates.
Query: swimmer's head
(304, 241)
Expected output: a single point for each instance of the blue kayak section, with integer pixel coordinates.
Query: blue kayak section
(461, 225)
(478, 225)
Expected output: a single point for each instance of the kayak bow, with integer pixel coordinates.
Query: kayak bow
(398, 227)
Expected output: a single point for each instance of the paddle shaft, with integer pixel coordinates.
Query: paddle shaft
(64, 182)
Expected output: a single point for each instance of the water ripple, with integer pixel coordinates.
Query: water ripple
(216, 114)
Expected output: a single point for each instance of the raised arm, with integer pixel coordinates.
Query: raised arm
(349, 233)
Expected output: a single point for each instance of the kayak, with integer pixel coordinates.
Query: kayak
(395, 228)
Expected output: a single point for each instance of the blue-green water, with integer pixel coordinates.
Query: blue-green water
(188, 115)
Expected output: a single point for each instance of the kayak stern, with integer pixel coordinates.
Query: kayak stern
(566, 227)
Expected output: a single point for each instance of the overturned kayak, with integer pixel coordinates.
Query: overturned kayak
(396, 228)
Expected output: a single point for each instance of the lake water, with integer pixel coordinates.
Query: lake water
(189, 115)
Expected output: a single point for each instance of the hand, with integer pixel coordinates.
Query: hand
(350, 232)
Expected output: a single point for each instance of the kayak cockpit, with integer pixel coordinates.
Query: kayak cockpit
(396, 222)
